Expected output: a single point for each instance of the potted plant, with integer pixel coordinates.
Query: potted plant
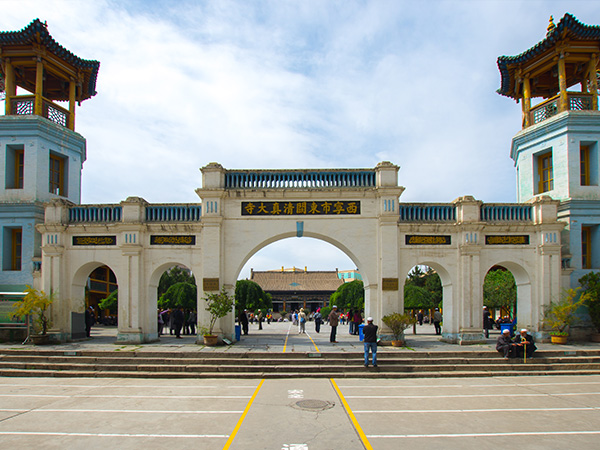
(398, 323)
(218, 305)
(36, 304)
(591, 298)
(560, 316)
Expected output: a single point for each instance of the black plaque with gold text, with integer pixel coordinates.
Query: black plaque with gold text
(172, 240)
(94, 240)
(317, 208)
(420, 239)
(507, 240)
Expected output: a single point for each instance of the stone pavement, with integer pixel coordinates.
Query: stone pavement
(274, 337)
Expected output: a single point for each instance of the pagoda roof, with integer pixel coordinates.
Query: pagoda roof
(36, 34)
(297, 280)
(569, 28)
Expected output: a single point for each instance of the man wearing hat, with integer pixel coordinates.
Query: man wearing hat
(524, 342)
(334, 319)
(370, 341)
(505, 345)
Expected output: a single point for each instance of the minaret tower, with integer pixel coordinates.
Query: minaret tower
(41, 155)
(556, 152)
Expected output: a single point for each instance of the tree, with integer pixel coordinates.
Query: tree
(180, 295)
(173, 276)
(111, 302)
(349, 296)
(416, 297)
(218, 305)
(500, 289)
(35, 303)
(591, 295)
(249, 295)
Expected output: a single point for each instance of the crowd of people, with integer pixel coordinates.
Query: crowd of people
(178, 321)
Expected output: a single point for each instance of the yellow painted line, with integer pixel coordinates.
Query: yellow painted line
(286, 337)
(239, 424)
(361, 434)
(311, 339)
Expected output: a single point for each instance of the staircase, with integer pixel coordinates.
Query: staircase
(153, 364)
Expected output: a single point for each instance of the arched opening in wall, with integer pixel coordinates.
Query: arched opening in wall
(94, 302)
(499, 298)
(291, 274)
(101, 295)
(423, 293)
(175, 304)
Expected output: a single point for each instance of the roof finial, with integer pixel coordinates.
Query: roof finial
(551, 26)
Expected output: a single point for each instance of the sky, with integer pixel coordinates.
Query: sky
(296, 84)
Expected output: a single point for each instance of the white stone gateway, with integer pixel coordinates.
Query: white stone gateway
(356, 210)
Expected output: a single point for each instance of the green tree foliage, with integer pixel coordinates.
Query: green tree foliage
(591, 296)
(422, 290)
(349, 296)
(110, 302)
(500, 289)
(416, 297)
(249, 295)
(182, 295)
(173, 276)
(218, 305)
(35, 303)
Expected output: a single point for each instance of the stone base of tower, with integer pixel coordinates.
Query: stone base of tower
(135, 337)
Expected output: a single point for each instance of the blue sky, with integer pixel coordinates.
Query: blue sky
(295, 84)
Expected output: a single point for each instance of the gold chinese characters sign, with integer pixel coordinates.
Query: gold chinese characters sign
(172, 240)
(327, 208)
(420, 239)
(94, 240)
(389, 284)
(507, 240)
(210, 284)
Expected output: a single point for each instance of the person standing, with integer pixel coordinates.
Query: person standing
(437, 320)
(302, 320)
(420, 317)
(357, 319)
(260, 319)
(487, 321)
(317, 317)
(243, 318)
(370, 341)
(334, 320)
(90, 318)
(177, 321)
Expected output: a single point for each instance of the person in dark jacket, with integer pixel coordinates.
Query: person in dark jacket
(243, 318)
(504, 344)
(177, 321)
(318, 319)
(487, 322)
(90, 319)
(524, 343)
(370, 341)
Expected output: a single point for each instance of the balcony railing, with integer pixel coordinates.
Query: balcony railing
(24, 105)
(506, 213)
(299, 179)
(95, 214)
(422, 212)
(576, 101)
(174, 213)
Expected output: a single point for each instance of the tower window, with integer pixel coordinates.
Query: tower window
(57, 175)
(15, 163)
(586, 247)
(584, 164)
(546, 177)
(13, 247)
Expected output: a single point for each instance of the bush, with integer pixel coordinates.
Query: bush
(398, 323)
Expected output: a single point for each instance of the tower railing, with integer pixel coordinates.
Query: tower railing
(300, 179)
(576, 101)
(24, 105)
(506, 212)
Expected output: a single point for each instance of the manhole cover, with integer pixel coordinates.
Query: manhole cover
(314, 405)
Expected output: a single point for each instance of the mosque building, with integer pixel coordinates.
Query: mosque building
(548, 240)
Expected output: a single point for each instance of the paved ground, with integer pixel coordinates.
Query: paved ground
(557, 412)
(278, 337)
(522, 412)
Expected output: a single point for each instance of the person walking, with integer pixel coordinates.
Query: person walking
(302, 320)
(260, 319)
(350, 322)
(437, 320)
(334, 320)
(243, 318)
(370, 341)
(90, 318)
(357, 320)
(318, 319)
